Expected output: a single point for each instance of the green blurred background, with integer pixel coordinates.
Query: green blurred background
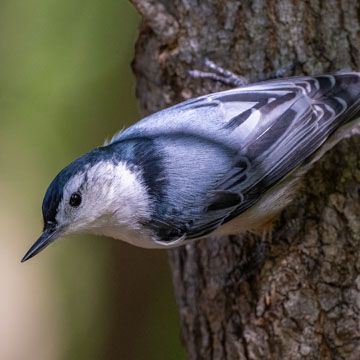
(65, 86)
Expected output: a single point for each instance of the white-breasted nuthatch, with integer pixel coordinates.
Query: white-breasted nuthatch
(221, 163)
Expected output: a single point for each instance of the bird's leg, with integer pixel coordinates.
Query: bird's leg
(278, 72)
(219, 74)
(233, 78)
(229, 78)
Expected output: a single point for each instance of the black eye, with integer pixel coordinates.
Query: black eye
(75, 199)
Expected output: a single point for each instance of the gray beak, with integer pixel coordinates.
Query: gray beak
(48, 236)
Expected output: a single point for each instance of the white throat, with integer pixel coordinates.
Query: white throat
(115, 203)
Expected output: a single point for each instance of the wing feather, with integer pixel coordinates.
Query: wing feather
(296, 117)
(272, 126)
(323, 104)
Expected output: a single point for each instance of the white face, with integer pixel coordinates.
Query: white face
(113, 201)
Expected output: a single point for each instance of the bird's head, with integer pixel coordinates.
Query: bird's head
(98, 193)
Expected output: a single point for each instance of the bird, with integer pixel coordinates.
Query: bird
(222, 163)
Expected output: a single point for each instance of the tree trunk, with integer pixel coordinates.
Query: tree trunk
(304, 302)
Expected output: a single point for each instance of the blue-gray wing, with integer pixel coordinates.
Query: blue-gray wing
(269, 127)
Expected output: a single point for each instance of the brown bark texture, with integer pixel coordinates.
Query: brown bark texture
(304, 300)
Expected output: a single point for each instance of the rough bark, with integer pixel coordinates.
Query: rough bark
(304, 302)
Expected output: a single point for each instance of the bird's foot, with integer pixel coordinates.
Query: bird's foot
(229, 78)
(219, 74)
(279, 72)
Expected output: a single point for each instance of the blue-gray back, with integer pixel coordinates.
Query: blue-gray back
(221, 152)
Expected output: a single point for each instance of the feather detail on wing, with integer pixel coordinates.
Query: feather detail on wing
(273, 127)
(289, 120)
(293, 122)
